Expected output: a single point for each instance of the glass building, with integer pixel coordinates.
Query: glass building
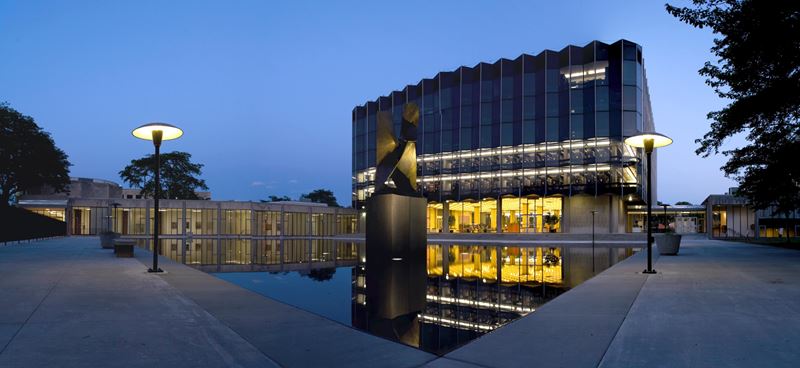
(533, 144)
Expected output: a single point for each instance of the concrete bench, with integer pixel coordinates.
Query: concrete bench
(124, 247)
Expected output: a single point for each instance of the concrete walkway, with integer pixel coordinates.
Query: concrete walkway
(717, 304)
(68, 303)
(65, 302)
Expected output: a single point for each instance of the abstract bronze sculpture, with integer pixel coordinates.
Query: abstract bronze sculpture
(396, 234)
(397, 156)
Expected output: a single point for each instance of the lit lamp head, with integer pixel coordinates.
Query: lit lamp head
(648, 141)
(157, 132)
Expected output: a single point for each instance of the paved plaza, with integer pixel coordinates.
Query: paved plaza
(66, 302)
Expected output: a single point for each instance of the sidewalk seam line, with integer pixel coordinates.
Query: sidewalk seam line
(605, 351)
(50, 291)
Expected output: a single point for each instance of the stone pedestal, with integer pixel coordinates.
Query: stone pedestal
(396, 242)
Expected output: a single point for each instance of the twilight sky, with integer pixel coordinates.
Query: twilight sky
(264, 89)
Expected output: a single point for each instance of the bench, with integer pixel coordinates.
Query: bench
(124, 247)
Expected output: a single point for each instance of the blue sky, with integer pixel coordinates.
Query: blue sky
(264, 89)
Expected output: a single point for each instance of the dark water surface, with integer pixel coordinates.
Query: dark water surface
(468, 290)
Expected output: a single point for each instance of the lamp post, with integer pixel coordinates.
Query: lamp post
(649, 141)
(157, 132)
(112, 219)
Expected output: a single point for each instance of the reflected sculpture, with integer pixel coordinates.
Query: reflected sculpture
(397, 156)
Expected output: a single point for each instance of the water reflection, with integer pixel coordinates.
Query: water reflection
(473, 289)
(454, 293)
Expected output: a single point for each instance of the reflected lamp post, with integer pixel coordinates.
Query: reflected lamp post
(649, 141)
(593, 213)
(157, 132)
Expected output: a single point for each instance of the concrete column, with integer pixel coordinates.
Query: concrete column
(147, 222)
(566, 214)
(612, 215)
(219, 231)
(499, 263)
(280, 247)
(109, 210)
(68, 217)
(310, 222)
(445, 259)
(710, 218)
(445, 217)
(309, 252)
(282, 227)
(757, 230)
(253, 233)
(337, 223)
(499, 213)
(183, 232)
(336, 250)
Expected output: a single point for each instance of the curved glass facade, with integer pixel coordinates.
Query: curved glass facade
(518, 133)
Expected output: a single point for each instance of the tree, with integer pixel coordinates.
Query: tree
(28, 157)
(179, 176)
(757, 72)
(682, 203)
(320, 274)
(273, 198)
(321, 196)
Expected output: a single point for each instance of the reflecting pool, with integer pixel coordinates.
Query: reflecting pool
(469, 290)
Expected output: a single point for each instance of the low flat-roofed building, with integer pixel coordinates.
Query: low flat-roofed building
(731, 216)
(196, 231)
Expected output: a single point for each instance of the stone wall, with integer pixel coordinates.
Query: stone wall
(609, 218)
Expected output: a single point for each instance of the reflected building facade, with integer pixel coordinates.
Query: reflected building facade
(525, 145)
(474, 289)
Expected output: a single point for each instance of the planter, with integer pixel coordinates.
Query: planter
(107, 239)
(668, 244)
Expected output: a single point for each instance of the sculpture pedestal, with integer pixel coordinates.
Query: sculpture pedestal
(396, 243)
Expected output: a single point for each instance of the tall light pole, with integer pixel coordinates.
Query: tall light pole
(157, 132)
(649, 141)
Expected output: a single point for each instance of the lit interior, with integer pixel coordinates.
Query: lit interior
(519, 215)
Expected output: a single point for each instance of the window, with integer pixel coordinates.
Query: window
(529, 107)
(507, 134)
(552, 104)
(508, 111)
(630, 98)
(552, 129)
(529, 84)
(601, 125)
(602, 99)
